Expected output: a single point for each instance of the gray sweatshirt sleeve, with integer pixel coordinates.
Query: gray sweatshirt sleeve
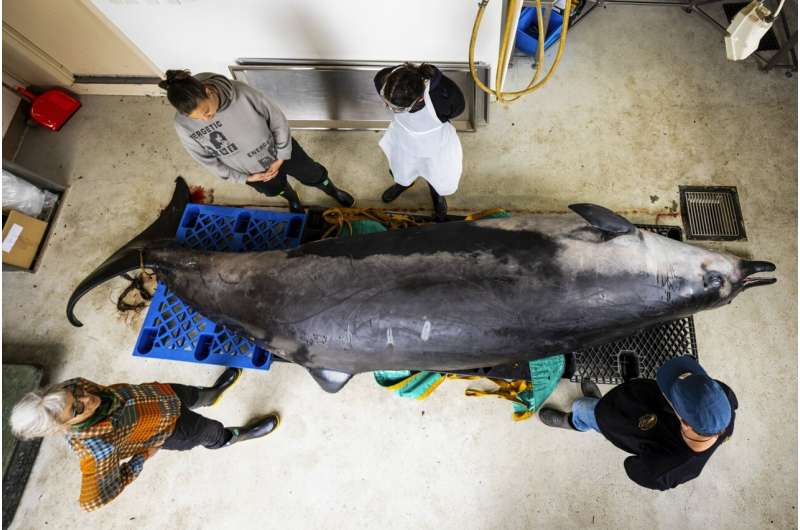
(277, 123)
(210, 162)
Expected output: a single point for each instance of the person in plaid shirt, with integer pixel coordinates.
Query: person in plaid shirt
(114, 429)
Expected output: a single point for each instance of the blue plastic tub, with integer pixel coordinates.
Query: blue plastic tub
(528, 30)
(173, 330)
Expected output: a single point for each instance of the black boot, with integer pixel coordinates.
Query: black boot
(556, 418)
(256, 429)
(290, 195)
(341, 196)
(393, 192)
(589, 389)
(439, 206)
(210, 395)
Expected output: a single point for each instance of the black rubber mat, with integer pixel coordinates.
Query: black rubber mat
(653, 346)
(18, 457)
(16, 477)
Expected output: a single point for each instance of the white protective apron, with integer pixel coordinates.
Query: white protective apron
(419, 145)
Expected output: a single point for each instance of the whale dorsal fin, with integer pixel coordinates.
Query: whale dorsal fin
(331, 381)
(603, 219)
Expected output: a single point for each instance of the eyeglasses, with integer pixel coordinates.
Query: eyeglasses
(399, 110)
(77, 405)
(391, 106)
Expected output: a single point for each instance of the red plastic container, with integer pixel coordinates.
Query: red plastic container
(52, 108)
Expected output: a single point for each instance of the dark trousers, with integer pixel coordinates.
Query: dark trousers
(300, 166)
(438, 200)
(434, 195)
(192, 429)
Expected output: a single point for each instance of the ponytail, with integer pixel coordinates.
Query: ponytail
(38, 413)
(183, 90)
(406, 83)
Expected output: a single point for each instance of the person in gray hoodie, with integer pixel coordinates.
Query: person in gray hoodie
(239, 134)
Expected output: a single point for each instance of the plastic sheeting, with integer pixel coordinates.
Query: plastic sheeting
(21, 195)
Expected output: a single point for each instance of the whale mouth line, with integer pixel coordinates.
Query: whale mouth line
(755, 282)
(754, 267)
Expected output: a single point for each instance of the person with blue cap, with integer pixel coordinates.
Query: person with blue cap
(671, 425)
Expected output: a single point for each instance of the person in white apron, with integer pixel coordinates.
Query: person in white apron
(420, 140)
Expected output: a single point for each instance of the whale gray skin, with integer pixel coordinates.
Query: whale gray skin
(457, 295)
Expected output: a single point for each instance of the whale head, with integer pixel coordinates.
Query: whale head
(725, 276)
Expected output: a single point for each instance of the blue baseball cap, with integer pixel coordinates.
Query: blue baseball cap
(698, 399)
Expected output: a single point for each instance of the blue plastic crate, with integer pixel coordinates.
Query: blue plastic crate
(528, 30)
(175, 331)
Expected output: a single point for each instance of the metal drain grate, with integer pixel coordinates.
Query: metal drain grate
(711, 213)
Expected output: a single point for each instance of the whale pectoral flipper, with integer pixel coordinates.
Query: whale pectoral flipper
(331, 381)
(603, 218)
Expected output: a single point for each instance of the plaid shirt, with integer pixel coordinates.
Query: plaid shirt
(142, 418)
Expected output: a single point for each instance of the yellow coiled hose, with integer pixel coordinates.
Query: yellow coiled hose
(506, 45)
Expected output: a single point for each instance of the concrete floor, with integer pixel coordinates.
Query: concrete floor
(644, 101)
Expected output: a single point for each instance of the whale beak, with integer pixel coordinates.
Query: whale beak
(754, 267)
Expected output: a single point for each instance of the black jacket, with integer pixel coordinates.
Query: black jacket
(636, 417)
(448, 101)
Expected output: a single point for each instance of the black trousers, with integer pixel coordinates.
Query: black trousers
(434, 194)
(300, 166)
(192, 429)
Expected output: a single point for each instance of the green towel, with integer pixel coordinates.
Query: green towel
(545, 374)
(361, 227)
(408, 384)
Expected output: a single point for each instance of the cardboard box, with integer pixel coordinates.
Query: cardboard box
(22, 236)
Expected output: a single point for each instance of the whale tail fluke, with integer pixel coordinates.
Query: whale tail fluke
(131, 256)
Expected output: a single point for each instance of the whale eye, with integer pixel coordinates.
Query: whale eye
(714, 280)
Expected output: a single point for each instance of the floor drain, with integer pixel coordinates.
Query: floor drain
(712, 213)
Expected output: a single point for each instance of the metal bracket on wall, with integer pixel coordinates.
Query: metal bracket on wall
(340, 95)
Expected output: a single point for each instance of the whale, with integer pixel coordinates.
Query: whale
(442, 297)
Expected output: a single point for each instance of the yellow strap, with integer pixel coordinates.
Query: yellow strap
(402, 382)
(505, 390)
(519, 416)
(338, 218)
(341, 217)
(508, 390)
(484, 213)
(428, 391)
(431, 388)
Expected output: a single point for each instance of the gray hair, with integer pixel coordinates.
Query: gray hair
(39, 413)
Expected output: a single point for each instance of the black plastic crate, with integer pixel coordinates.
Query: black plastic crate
(653, 346)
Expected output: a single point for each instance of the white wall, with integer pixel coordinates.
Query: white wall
(10, 101)
(209, 35)
(74, 36)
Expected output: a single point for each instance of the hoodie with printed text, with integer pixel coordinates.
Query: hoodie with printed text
(246, 135)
